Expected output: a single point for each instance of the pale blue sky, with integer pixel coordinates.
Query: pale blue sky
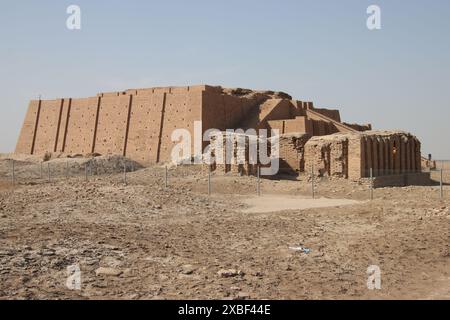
(395, 78)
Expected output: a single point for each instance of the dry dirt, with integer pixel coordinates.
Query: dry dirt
(153, 242)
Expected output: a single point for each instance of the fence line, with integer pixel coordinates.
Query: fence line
(209, 180)
(371, 184)
(258, 183)
(166, 177)
(54, 173)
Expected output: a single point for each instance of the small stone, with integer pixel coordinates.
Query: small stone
(48, 252)
(187, 269)
(108, 272)
(230, 273)
(243, 295)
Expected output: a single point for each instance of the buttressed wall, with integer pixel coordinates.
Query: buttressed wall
(135, 123)
(138, 124)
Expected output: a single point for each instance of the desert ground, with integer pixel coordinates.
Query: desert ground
(143, 240)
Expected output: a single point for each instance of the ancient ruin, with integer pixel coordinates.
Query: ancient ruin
(138, 124)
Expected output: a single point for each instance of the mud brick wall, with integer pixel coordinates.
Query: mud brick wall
(356, 160)
(274, 109)
(299, 109)
(333, 114)
(63, 126)
(353, 155)
(137, 123)
(292, 152)
(359, 127)
(112, 124)
(26, 141)
(322, 128)
(174, 106)
(222, 111)
(144, 128)
(327, 156)
(234, 155)
(300, 124)
(389, 153)
(79, 121)
(47, 131)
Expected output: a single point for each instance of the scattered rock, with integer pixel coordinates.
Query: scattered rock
(108, 272)
(243, 295)
(230, 273)
(48, 252)
(188, 269)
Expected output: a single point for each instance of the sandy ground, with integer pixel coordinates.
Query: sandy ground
(141, 240)
(273, 203)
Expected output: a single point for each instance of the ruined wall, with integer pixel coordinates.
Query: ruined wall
(389, 153)
(224, 111)
(358, 127)
(300, 124)
(230, 153)
(354, 155)
(292, 152)
(327, 156)
(332, 114)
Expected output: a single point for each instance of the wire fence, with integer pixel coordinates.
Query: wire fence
(45, 172)
(309, 183)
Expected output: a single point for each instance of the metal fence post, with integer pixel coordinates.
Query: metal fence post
(312, 182)
(258, 186)
(49, 173)
(166, 177)
(371, 184)
(85, 172)
(209, 180)
(67, 169)
(125, 173)
(41, 171)
(442, 184)
(13, 173)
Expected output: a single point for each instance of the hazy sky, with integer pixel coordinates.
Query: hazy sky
(395, 78)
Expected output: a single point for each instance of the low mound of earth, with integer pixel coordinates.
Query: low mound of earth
(29, 167)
